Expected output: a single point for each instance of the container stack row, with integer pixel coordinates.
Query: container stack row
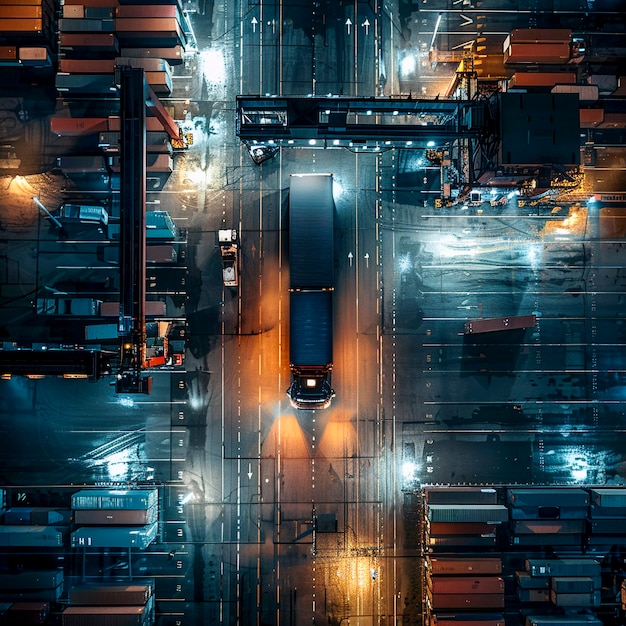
(27, 32)
(118, 604)
(569, 583)
(522, 551)
(548, 517)
(115, 519)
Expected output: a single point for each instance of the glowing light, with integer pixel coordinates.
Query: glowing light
(312, 142)
(213, 66)
(409, 470)
(404, 263)
(407, 66)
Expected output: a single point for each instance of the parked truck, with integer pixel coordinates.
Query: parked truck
(311, 259)
(229, 249)
(82, 213)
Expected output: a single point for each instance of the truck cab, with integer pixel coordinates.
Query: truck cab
(229, 249)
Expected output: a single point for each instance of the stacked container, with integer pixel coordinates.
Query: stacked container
(115, 518)
(607, 516)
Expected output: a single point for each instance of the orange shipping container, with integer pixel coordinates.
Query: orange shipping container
(537, 53)
(97, 42)
(21, 11)
(591, 117)
(541, 79)
(89, 66)
(466, 584)
(8, 53)
(95, 3)
(21, 25)
(540, 35)
(478, 565)
(467, 601)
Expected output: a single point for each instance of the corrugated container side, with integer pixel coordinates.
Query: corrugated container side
(548, 497)
(526, 581)
(539, 35)
(96, 517)
(541, 79)
(573, 584)
(103, 616)
(29, 612)
(466, 584)
(461, 495)
(591, 117)
(533, 595)
(478, 565)
(547, 540)
(608, 526)
(32, 536)
(537, 53)
(33, 579)
(467, 601)
(467, 513)
(609, 498)
(586, 93)
(556, 620)
(442, 529)
(470, 619)
(563, 567)
(174, 55)
(115, 499)
(462, 540)
(114, 536)
(575, 599)
(120, 595)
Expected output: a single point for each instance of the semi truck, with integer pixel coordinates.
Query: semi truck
(82, 213)
(493, 324)
(229, 249)
(311, 266)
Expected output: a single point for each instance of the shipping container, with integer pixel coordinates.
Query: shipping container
(467, 513)
(533, 595)
(461, 495)
(494, 324)
(154, 308)
(547, 527)
(462, 540)
(548, 497)
(37, 515)
(25, 25)
(547, 540)
(149, 11)
(100, 13)
(110, 595)
(441, 529)
(155, 141)
(575, 599)
(574, 584)
(8, 53)
(86, 84)
(609, 498)
(35, 56)
(464, 566)
(466, 601)
(89, 42)
(147, 63)
(28, 612)
(174, 55)
(73, 11)
(538, 35)
(32, 536)
(521, 80)
(32, 579)
(586, 93)
(102, 517)
(608, 526)
(159, 32)
(546, 53)
(115, 499)
(104, 616)
(77, 126)
(562, 620)
(87, 66)
(161, 82)
(85, 164)
(114, 536)
(101, 332)
(94, 3)
(526, 581)
(589, 118)
(469, 619)
(465, 584)
(86, 26)
(549, 512)
(53, 594)
(26, 11)
(563, 567)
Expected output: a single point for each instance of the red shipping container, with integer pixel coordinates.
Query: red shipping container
(442, 529)
(467, 601)
(541, 79)
(537, 53)
(459, 619)
(466, 584)
(76, 126)
(94, 3)
(540, 35)
(466, 566)
(96, 42)
(28, 612)
(87, 66)
(143, 11)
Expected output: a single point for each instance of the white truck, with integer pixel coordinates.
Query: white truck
(229, 249)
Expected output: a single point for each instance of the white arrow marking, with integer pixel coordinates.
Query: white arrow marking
(468, 20)
(348, 24)
(367, 259)
(254, 23)
(249, 471)
(350, 257)
(366, 25)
